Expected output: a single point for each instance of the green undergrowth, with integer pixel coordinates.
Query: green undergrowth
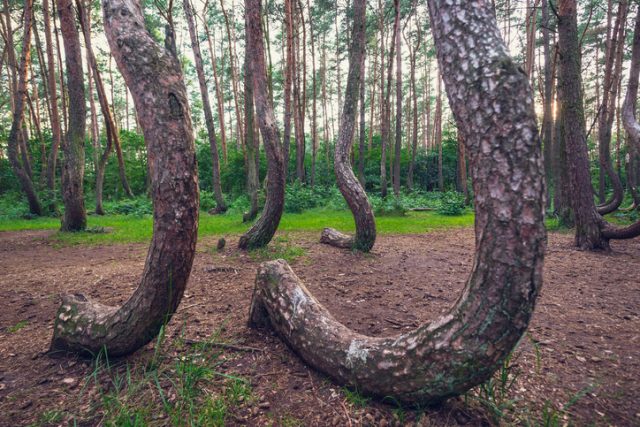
(181, 383)
(134, 229)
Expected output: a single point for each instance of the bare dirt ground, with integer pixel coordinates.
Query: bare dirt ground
(582, 350)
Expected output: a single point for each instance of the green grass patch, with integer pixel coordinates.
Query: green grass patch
(134, 229)
(15, 328)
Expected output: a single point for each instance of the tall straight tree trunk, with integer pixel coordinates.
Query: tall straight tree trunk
(547, 117)
(413, 53)
(398, 145)
(206, 106)
(161, 101)
(288, 82)
(314, 123)
(361, 133)
(437, 129)
(467, 344)
(75, 215)
(386, 119)
(250, 137)
(372, 97)
(219, 97)
(234, 73)
(298, 116)
(20, 97)
(349, 186)
(263, 230)
(113, 136)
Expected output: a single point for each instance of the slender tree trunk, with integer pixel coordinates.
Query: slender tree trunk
(413, 52)
(628, 113)
(250, 137)
(234, 73)
(288, 82)
(206, 106)
(438, 131)
(219, 97)
(547, 117)
(314, 123)
(263, 230)
(18, 114)
(75, 215)
(161, 102)
(466, 345)
(349, 186)
(462, 169)
(605, 120)
(361, 133)
(386, 119)
(398, 145)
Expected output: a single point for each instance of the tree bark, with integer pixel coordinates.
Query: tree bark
(349, 186)
(250, 137)
(547, 117)
(263, 230)
(398, 138)
(288, 81)
(592, 231)
(629, 120)
(605, 120)
(75, 215)
(493, 106)
(13, 141)
(221, 206)
(386, 115)
(234, 73)
(155, 78)
(362, 131)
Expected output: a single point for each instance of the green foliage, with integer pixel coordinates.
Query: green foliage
(138, 207)
(451, 203)
(355, 398)
(15, 328)
(279, 248)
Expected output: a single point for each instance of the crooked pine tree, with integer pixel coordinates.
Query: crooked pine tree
(493, 106)
(348, 184)
(154, 76)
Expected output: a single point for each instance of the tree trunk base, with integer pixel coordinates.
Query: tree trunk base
(333, 237)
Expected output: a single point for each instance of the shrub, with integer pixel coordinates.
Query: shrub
(451, 203)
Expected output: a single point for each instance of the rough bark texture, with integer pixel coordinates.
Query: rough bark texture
(493, 106)
(13, 142)
(398, 138)
(348, 184)
(628, 112)
(155, 78)
(75, 215)
(605, 120)
(53, 100)
(263, 230)
(547, 117)
(592, 231)
(251, 140)
(206, 106)
(333, 237)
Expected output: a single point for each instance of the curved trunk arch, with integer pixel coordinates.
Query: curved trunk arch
(162, 106)
(348, 184)
(493, 106)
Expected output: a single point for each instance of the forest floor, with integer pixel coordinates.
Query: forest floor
(578, 364)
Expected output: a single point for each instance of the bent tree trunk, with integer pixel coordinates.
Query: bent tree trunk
(348, 184)
(628, 111)
(593, 232)
(263, 230)
(18, 116)
(155, 78)
(75, 215)
(493, 106)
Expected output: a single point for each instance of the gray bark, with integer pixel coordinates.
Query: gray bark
(493, 106)
(155, 78)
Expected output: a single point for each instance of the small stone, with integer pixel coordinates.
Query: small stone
(221, 244)
(383, 423)
(596, 359)
(370, 418)
(581, 359)
(264, 405)
(69, 381)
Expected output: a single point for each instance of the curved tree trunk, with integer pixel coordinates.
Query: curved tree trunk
(592, 231)
(155, 78)
(493, 106)
(75, 215)
(605, 120)
(206, 106)
(13, 142)
(628, 111)
(348, 184)
(263, 230)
